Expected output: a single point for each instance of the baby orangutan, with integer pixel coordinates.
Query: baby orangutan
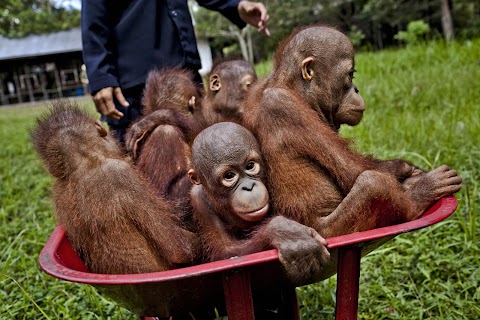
(170, 98)
(315, 177)
(228, 83)
(111, 215)
(162, 150)
(231, 205)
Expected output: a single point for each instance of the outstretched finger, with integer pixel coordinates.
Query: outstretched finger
(451, 173)
(265, 31)
(262, 24)
(119, 96)
(454, 180)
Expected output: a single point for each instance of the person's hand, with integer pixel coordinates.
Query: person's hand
(104, 102)
(255, 14)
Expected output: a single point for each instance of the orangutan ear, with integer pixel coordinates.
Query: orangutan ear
(215, 83)
(193, 177)
(307, 68)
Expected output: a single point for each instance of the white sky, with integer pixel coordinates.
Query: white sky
(69, 3)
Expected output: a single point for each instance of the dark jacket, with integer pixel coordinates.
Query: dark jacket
(123, 40)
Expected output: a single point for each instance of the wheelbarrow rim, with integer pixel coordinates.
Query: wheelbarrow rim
(52, 264)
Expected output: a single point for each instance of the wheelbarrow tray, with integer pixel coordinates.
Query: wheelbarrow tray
(203, 286)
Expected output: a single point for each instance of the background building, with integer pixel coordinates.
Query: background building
(41, 67)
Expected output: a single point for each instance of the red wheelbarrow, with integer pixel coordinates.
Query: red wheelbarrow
(237, 286)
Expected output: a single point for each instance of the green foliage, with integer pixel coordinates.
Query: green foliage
(369, 23)
(378, 20)
(356, 36)
(19, 18)
(421, 105)
(395, 13)
(416, 32)
(466, 18)
(285, 15)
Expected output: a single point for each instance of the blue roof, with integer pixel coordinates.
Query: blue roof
(40, 45)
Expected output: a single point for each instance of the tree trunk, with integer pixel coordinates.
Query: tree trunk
(241, 41)
(249, 43)
(447, 24)
(244, 38)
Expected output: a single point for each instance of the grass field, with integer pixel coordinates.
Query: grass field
(423, 105)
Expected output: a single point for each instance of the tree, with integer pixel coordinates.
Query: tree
(19, 18)
(466, 18)
(370, 23)
(447, 23)
(416, 32)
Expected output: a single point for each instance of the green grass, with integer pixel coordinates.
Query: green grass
(423, 105)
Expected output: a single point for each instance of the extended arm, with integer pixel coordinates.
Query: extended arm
(301, 250)
(240, 13)
(97, 55)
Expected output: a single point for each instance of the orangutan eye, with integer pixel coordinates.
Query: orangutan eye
(229, 178)
(246, 82)
(229, 175)
(351, 73)
(252, 168)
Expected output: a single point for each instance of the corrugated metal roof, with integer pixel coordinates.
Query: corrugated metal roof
(40, 45)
